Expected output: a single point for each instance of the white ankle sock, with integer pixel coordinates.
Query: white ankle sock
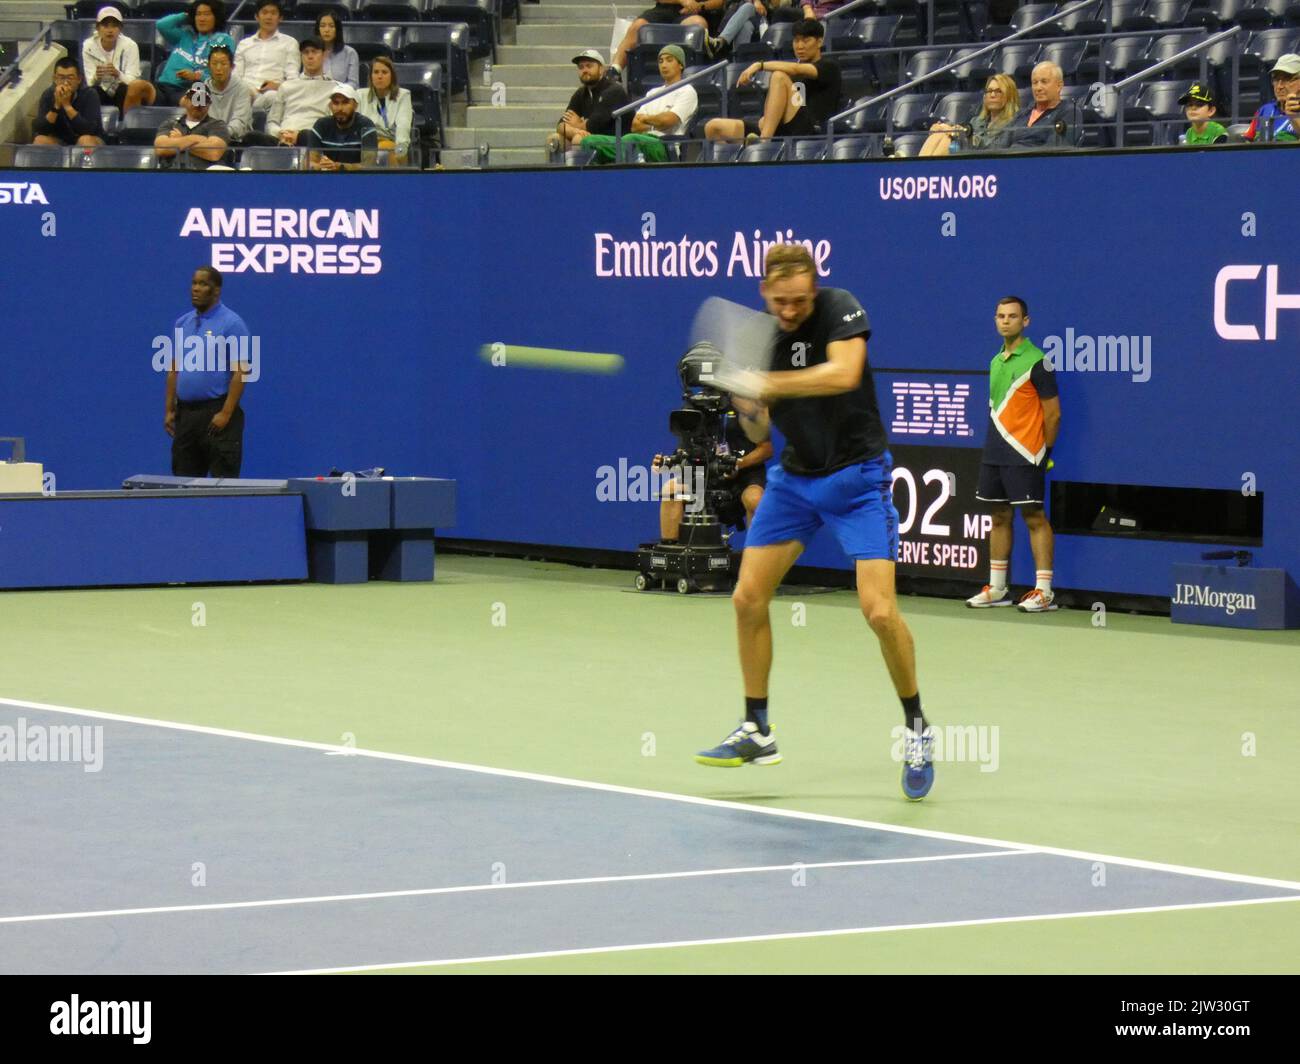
(998, 575)
(1044, 578)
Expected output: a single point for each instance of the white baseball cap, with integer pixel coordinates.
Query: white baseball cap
(590, 53)
(107, 12)
(342, 88)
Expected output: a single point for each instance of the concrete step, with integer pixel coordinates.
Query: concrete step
(555, 97)
(537, 75)
(517, 157)
(557, 55)
(500, 138)
(572, 35)
(484, 118)
(538, 14)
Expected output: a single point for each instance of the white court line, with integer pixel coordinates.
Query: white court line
(792, 814)
(776, 937)
(476, 887)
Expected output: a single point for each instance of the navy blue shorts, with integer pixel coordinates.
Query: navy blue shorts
(856, 503)
(1016, 485)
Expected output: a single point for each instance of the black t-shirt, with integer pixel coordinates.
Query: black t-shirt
(828, 432)
(596, 103)
(822, 93)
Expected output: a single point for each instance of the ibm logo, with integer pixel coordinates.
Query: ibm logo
(924, 409)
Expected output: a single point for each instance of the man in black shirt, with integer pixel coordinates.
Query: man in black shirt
(68, 112)
(592, 106)
(801, 96)
(835, 471)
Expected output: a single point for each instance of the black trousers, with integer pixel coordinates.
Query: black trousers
(197, 452)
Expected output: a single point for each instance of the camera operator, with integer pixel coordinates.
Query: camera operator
(745, 481)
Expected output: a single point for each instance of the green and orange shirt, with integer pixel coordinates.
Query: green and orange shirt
(1018, 384)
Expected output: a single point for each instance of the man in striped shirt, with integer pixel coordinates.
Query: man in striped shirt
(345, 140)
(1024, 418)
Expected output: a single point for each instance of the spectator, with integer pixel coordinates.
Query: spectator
(1280, 117)
(341, 62)
(819, 9)
(1001, 102)
(202, 414)
(388, 106)
(345, 140)
(192, 34)
(664, 13)
(1200, 105)
(1036, 126)
(665, 111)
(195, 140)
(112, 64)
(68, 112)
(267, 59)
(231, 103)
(305, 99)
(789, 111)
(592, 105)
(740, 25)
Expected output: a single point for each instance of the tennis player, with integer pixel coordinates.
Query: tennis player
(835, 471)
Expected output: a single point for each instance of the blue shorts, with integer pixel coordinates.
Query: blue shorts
(1019, 485)
(856, 503)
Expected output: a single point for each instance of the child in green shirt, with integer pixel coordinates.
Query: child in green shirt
(1200, 108)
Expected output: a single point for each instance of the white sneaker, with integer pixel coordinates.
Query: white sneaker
(988, 597)
(1036, 601)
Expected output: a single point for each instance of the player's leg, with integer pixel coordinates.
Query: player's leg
(879, 602)
(1041, 599)
(991, 490)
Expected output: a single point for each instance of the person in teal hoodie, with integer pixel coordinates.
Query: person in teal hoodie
(191, 33)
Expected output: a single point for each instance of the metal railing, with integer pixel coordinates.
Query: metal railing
(12, 74)
(144, 157)
(1121, 87)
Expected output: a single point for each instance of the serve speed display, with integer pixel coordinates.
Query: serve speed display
(942, 530)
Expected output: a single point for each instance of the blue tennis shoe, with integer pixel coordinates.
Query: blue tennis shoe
(918, 764)
(744, 746)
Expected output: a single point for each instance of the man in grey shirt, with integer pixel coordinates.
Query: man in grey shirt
(230, 102)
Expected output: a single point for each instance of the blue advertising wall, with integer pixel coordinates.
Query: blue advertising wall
(371, 320)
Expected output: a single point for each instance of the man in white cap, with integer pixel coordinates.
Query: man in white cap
(345, 140)
(111, 62)
(1278, 120)
(195, 140)
(591, 107)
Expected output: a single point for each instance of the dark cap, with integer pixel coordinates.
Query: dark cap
(311, 42)
(1198, 93)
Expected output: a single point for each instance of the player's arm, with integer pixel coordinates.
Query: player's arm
(842, 371)
(1051, 419)
(758, 455)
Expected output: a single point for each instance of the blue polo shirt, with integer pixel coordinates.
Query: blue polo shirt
(195, 384)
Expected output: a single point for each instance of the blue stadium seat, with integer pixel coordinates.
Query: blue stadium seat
(868, 120)
(439, 42)
(312, 9)
(878, 31)
(371, 39)
(40, 157)
(643, 59)
(780, 38)
(120, 157)
(716, 151)
(479, 15)
(908, 145)
(929, 59)
(1068, 55)
(1170, 45)
(1087, 20)
(762, 151)
(1168, 14)
(387, 11)
(1028, 14)
(912, 112)
(140, 125)
(843, 35)
(1017, 60)
(1121, 58)
(973, 74)
(1161, 98)
(859, 147)
(156, 9)
(746, 102)
(810, 149)
(958, 107)
(1130, 15)
(1268, 46)
(1292, 15)
(265, 158)
(110, 118)
(425, 82)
